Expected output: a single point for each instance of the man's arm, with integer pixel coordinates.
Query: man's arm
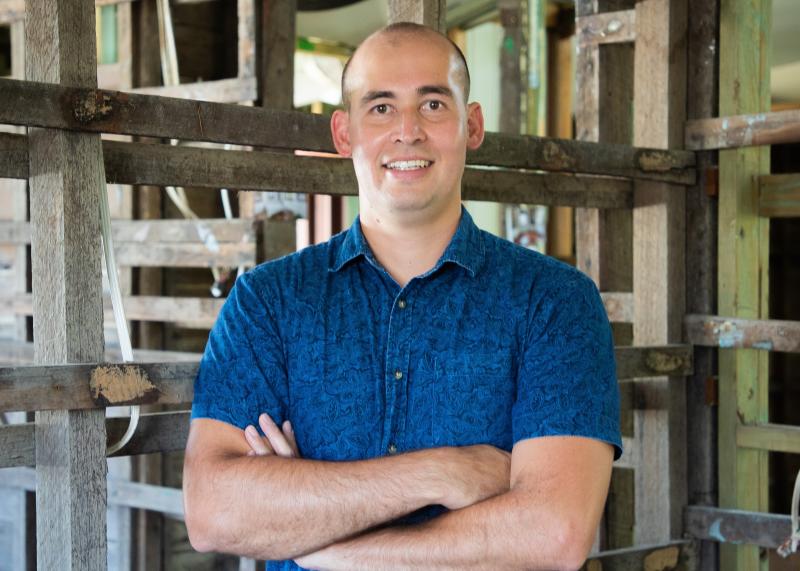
(547, 520)
(271, 507)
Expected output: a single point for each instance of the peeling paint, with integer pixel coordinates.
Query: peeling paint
(660, 362)
(614, 26)
(113, 384)
(92, 105)
(765, 345)
(715, 531)
(662, 559)
(728, 335)
(654, 161)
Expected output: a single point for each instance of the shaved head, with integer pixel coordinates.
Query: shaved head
(393, 34)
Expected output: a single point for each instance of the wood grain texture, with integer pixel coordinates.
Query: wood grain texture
(773, 437)
(234, 90)
(429, 13)
(659, 265)
(779, 196)
(743, 284)
(738, 333)
(735, 131)
(66, 176)
(99, 111)
(276, 53)
(737, 526)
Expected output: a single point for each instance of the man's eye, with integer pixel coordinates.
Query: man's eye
(381, 109)
(434, 105)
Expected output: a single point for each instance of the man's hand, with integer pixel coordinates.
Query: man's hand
(278, 441)
(482, 472)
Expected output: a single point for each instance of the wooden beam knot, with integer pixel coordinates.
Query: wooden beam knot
(652, 160)
(664, 363)
(113, 385)
(556, 157)
(93, 105)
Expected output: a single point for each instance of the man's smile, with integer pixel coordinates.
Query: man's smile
(407, 165)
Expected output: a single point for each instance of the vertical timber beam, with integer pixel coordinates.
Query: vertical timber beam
(429, 13)
(701, 268)
(659, 266)
(745, 28)
(66, 176)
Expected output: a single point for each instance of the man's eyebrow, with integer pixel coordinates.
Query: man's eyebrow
(373, 95)
(435, 89)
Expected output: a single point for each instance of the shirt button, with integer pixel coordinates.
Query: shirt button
(398, 374)
(401, 304)
(392, 449)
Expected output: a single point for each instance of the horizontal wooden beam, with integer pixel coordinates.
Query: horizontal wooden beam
(168, 501)
(164, 165)
(233, 90)
(779, 196)
(188, 312)
(735, 333)
(772, 437)
(88, 386)
(158, 432)
(619, 306)
(743, 131)
(102, 111)
(679, 555)
(606, 28)
(21, 353)
(737, 526)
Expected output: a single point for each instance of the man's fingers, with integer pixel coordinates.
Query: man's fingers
(288, 431)
(275, 436)
(258, 445)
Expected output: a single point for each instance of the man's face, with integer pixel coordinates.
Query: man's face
(408, 127)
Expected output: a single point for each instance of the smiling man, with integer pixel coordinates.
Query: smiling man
(431, 396)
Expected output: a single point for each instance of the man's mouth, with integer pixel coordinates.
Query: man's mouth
(408, 165)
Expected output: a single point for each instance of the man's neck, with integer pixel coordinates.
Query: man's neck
(409, 250)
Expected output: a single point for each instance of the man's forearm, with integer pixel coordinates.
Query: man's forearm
(509, 531)
(275, 508)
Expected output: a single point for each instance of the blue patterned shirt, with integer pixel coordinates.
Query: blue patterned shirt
(493, 345)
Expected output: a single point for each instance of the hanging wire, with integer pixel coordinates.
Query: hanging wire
(790, 545)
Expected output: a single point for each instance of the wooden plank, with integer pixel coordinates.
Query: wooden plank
(619, 306)
(66, 173)
(164, 165)
(164, 117)
(276, 66)
(429, 13)
(772, 437)
(246, 34)
(779, 196)
(91, 386)
(159, 432)
(738, 333)
(88, 386)
(21, 353)
(768, 128)
(233, 90)
(185, 255)
(188, 312)
(675, 556)
(658, 265)
(119, 492)
(737, 526)
(606, 28)
(744, 49)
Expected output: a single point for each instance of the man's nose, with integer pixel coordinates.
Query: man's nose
(409, 128)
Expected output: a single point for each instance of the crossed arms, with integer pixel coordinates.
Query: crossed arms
(537, 508)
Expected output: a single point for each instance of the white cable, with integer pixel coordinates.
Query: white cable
(119, 312)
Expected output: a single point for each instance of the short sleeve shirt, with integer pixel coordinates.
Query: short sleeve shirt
(493, 345)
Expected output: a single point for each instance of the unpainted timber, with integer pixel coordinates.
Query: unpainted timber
(737, 526)
(157, 432)
(677, 555)
(429, 13)
(739, 333)
(619, 306)
(166, 165)
(14, 353)
(606, 28)
(768, 128)
(102, 111)
(232, 90)
(772, 437)
(89, 386)
(779, 196)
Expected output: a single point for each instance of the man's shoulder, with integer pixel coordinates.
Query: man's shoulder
(505, 259)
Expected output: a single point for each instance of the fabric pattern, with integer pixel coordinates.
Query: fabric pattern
(493, 345)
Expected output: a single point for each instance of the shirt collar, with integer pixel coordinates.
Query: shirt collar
(466, 248)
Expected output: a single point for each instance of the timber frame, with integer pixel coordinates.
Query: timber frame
(634, 184)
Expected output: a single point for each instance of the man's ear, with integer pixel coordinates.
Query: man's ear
(475, 130)
(340, 131)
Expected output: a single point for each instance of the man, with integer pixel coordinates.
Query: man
(401, 362)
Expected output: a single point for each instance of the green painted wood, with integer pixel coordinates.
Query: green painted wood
(745, 26)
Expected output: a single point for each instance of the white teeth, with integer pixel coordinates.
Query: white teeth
(408, 165)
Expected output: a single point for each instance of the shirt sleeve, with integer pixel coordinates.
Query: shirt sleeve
(242, 372)
(567, 381)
